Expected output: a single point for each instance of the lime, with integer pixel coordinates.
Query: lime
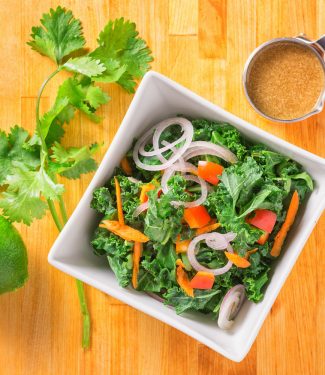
(13, 258)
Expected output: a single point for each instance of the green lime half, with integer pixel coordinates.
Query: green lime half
(13, 258)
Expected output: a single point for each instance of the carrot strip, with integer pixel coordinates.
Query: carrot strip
(250, 252)
(237, 260)
(182, 278)
(290, 218)
(124, 231)
(208, 228)
(119, 202)
(126, 167)
(144, 191)
(264, 237)
(202, 280)
(181, 246)
(137, 252)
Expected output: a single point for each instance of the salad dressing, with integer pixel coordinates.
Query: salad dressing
(286, 81)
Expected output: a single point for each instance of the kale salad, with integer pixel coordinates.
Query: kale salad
(196, 214)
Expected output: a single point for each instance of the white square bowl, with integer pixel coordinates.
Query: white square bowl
(158, 98)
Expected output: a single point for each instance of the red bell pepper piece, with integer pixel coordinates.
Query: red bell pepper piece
(196, 217)
(209, 171)
(262, 219)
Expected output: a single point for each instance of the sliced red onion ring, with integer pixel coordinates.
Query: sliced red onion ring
(230, 306)
(208, 148)
(167, 146)
(220, 243)
(156, 131)
(186, 168)
(142, 207)
(180, 162)
(134, 180)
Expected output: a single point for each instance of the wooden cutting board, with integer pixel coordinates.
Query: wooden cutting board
(203, 45)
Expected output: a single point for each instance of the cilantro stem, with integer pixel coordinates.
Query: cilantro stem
(44, 151)
(44, 157)
(54, 215)
(63, 210)
(81, 291)
(85, 314)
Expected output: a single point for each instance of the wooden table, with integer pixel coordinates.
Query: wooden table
(203, 45)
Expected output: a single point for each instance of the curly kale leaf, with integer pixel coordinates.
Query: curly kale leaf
(163, 221)
(204, 300)
(119, 254)
(254, 285)
(104, 203)
(221, 134)
(158, 267)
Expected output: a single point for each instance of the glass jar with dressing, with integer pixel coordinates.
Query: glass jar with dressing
(284, 78)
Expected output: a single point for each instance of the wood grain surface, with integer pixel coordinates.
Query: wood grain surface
(202, 44)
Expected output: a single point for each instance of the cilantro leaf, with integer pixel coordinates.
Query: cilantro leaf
(83, 95)
(13, 149)
(52, 114)
(84, 65)
(54, 124)
(74, 161)
(22, 200)
(60, 35)
(125, 55)
(96, 97)
(22, 207)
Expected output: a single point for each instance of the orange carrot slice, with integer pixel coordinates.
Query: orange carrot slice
(137, 252)
(264, 237)
(119, 202)
(238, 261)
(249, 252)
(124, 231)
(290, 218)
(208, 228)
(144, 190)
(182, 278)
(126, 167)
(181, 246)
(202, 280)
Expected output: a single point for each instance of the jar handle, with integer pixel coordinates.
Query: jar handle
(321, 42)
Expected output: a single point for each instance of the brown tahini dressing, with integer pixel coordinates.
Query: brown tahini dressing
(285, 81)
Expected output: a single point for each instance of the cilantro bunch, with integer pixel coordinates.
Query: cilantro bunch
(29, 164)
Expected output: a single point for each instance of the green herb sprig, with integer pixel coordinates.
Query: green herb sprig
(29, 165)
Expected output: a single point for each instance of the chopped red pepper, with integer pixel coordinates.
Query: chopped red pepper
(196, 217)
(209, 171)
(263, 219)
(202, 280)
